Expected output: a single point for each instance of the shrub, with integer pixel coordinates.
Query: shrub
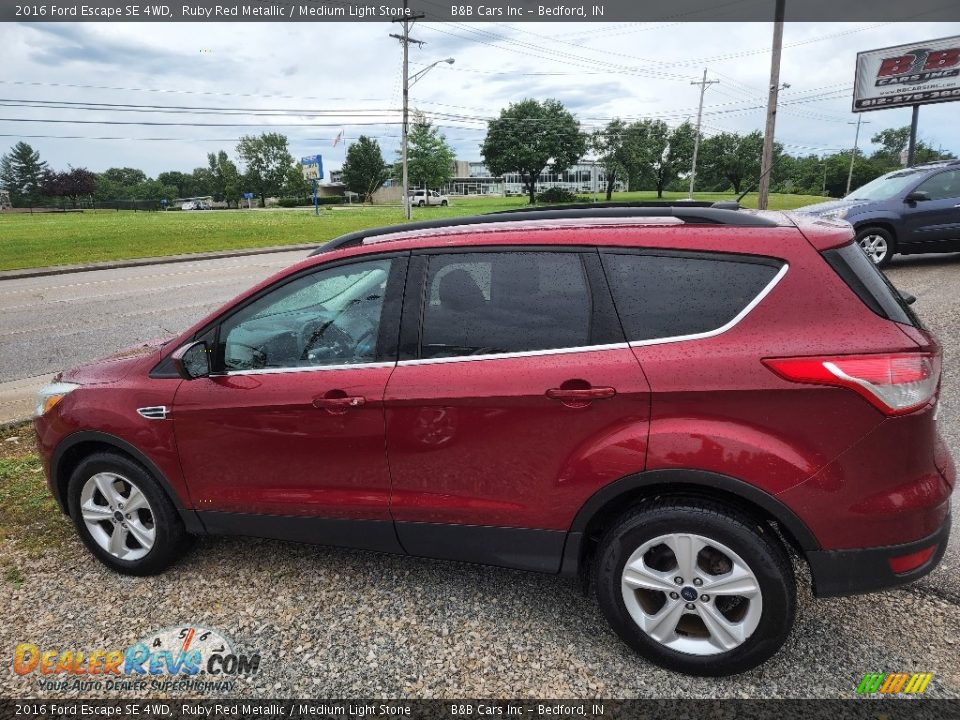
(556, 195)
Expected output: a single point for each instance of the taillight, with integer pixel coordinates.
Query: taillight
(896, 384)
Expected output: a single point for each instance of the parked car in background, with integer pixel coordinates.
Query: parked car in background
(196, 205)
(668, 403)
(913, 210)
(422, 198)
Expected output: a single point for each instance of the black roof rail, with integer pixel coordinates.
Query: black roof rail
(945, 162)
(691, 212)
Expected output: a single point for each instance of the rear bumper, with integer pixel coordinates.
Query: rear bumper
(848, 572)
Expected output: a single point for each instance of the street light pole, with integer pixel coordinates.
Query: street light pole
(405, 40)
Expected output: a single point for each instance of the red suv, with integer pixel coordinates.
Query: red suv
(667, 402)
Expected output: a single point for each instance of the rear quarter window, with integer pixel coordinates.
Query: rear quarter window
(662, 296)
(870, 284)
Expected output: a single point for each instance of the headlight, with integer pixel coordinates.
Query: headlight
(49, 395)
(838, 214)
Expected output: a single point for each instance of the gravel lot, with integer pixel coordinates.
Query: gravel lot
(339, 623)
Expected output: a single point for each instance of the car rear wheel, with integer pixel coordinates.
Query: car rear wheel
(878, 244)
(696, 587)
(444, 203)
(123, 515)
(421, 203)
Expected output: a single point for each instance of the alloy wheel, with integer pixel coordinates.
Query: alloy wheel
(875, 246)
(118, 516)
(692, 594)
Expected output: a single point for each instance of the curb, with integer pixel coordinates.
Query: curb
(140, 262)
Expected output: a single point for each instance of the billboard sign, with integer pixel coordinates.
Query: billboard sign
(312, 167)
(905, 75)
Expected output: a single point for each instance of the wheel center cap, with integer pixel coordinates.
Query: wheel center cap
(689, 594)
(118, 516)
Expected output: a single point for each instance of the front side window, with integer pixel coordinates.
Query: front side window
(670, 296)
(330, 317)
(942, 185)
(503, 302)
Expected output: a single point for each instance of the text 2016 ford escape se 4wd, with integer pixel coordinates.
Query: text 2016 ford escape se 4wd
(668, 402)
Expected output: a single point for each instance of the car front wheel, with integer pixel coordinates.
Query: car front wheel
(878, 244)
(695, 587)
(124, 516)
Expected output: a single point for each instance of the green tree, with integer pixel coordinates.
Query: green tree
(610, 146)
(201, 182)
(125, 177)
(364, 170)
(528, 136)
(224, 177)
(429, 157)
(21, 172)
(267, 162)
(294, 185)
(656, 153)
(733, 160)
(181, 181)
(893, 141)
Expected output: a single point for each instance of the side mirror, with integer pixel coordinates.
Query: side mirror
(192, 360)
(917, 196)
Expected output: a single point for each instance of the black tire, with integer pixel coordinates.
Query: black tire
(756, 545)
(864, 236)
(444, 203)
(421, 203)
(170, 536)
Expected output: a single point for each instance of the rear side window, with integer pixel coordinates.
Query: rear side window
(482, 303)
(667, 296)
(870, 285)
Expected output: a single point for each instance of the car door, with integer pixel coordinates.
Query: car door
(515, 399)
(934, 224)
(286, 437)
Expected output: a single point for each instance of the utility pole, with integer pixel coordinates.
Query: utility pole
(766, 160)
(407, 19)
(853, 155)
(696, 140)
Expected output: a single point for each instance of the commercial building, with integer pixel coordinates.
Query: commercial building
(473, 178)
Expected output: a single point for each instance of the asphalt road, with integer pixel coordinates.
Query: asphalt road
(51, 323)
(339, 623)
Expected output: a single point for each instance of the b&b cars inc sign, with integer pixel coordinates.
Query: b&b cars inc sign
(915, 74)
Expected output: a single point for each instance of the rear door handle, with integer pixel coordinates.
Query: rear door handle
(593, 393)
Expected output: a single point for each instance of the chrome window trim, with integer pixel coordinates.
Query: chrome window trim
(518, 354)
(748, 308)
(723, 328)
(309, 368)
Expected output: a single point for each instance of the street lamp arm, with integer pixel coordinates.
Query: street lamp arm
(413, 79)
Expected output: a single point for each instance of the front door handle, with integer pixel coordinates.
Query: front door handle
(337, 402)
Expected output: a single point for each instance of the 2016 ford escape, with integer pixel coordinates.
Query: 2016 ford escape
(668, 402)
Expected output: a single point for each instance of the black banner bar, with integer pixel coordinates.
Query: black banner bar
(477, 10)
(913, 708)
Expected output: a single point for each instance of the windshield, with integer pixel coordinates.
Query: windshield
(885, 186)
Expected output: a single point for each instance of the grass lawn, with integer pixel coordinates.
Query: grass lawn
(45, 239)
(29, 517)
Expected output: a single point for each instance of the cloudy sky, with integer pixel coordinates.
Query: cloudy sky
(188, 89)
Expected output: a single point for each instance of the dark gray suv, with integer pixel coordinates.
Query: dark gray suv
(912, 210)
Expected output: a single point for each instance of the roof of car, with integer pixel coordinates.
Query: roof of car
(577, 215)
